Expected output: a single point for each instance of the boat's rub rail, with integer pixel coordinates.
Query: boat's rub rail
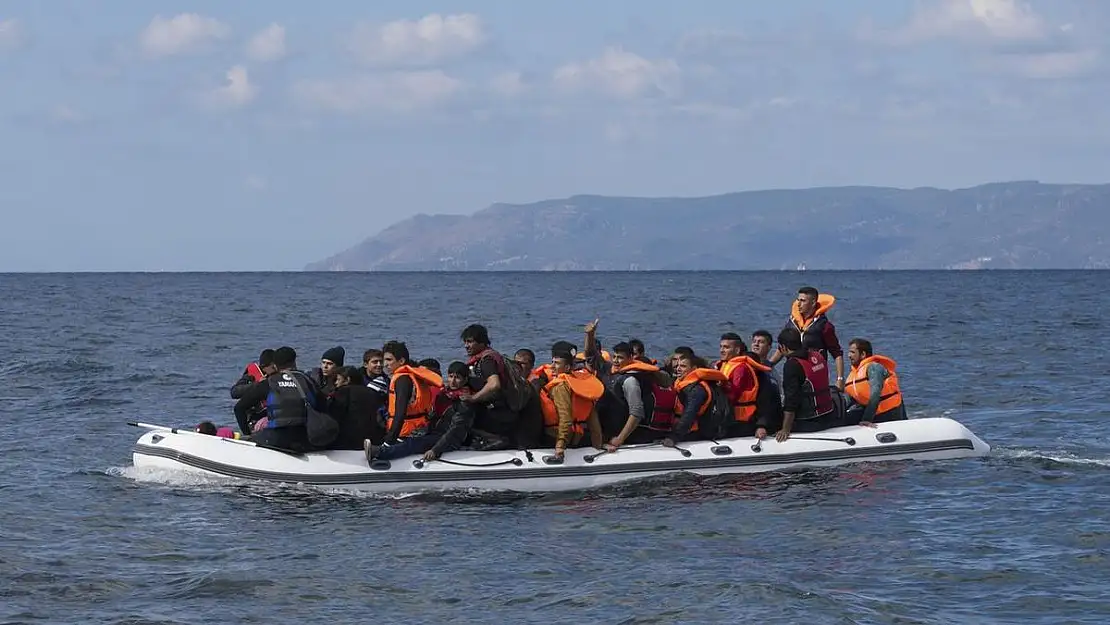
(510, 470)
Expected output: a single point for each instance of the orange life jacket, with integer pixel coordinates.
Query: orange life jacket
(859, 388)
(585, 390)
(542, 372)
(420, 405)
(825, 302)
(744, 408)
(701, 376)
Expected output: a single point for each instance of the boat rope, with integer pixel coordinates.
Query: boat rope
(419, 464)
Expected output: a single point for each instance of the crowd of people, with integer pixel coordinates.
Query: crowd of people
(394, 406)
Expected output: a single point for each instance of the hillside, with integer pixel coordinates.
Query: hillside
(999, 225)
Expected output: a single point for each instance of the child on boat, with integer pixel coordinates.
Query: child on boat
(207, 427)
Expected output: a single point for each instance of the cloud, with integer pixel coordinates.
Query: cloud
(620, 74)
(267, 45)
(183, 34)
(1007, 36)
(430, 40)
(256, 183)
(977, 21)
(395, 92)
(237, 93)
(11, 34)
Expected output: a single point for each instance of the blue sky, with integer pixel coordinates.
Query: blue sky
(148, 136)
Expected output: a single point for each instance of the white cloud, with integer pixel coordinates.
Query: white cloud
(184, 33)
(11, 34)
(267, 45)
(1006, 20)
(431, 39)
(620, 74)
(396, 92)
(238, 92)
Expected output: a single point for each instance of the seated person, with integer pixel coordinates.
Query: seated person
(807, 402)
(701, 407)
(569, 405)
(872, 387)
(448, 427)
(355, 408)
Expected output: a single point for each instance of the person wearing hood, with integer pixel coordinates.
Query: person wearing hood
(324, 376)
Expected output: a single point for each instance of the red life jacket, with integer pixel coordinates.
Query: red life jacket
(255, 372)
(816, 386)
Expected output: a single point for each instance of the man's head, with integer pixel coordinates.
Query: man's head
(395, 355)
(475, 339)
(562, 360)
(331, 361)
(807, 301)
(347, 375)
(526, 358)
(790, 340)
(622, 353)
(372, 360)
(458, 375)
(732, 346)
(761, 343)
(681, 350)
(431, 364)
(683, 363)
(285, 358)
(858, 349)
(637, 347)
(266, 362)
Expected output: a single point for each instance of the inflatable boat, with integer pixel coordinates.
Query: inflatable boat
(537, 470)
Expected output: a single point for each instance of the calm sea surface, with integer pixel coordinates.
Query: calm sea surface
(1023, 536)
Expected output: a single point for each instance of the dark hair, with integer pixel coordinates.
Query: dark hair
(565, 354)
(371, 353)
(524, 351)
(636, 345)
(399, 350)
(207, 427)
(475, 332)
(863, 345)
(735, 338)
(765, 334)
(622, 348)
(266, 358)
(808, 290)
(790, 338)
(431, 364)
(459, 368)
(285, 357)
(683, 350)
(560, 346)
(353, 374)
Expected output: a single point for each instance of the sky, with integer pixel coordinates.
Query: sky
(145, 135)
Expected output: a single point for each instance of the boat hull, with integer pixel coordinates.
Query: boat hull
(582, 469)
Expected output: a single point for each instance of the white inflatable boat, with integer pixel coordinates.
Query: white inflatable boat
(537, 471)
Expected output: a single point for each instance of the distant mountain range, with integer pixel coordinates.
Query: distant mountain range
(1007, 225)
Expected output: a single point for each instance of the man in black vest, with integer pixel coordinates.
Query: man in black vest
(807, 402)
(286, 394)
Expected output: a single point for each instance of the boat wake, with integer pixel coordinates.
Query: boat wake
(1049, 458)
